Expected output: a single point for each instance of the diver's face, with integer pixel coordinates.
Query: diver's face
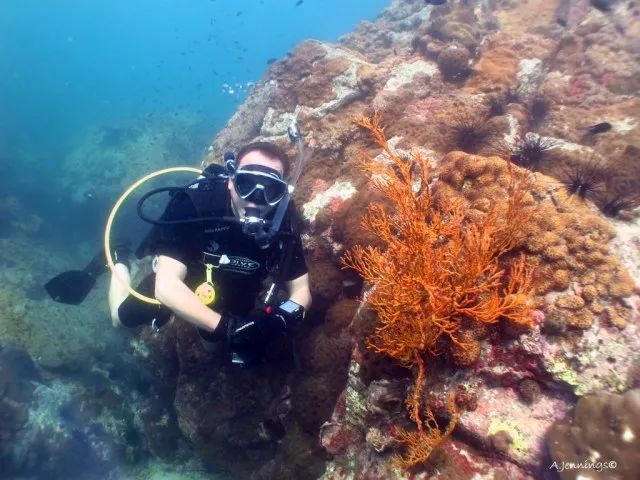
(239, 204)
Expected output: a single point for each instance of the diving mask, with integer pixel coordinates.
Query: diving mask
(259, 184)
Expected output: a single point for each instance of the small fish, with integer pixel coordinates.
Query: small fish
(602, 5)
(599, 128)
(271, 60)
(239, 13)
(435, 2)
(298, 3)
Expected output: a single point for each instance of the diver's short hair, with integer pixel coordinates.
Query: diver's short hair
(271, 150)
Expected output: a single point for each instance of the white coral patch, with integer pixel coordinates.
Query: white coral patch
(403, 74)
(345, 89)
(529, 70)
(559, 143)
(340, 190)
(345, 85)
(628, 435)
(527, 67)
(623, 126)
(511, 137)
(276, 124)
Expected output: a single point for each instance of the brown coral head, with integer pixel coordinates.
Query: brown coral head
(455, 63)
(529, 390)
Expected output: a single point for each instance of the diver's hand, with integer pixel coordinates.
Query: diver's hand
(256, 329)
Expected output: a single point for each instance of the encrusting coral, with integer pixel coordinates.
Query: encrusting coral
(439, 276)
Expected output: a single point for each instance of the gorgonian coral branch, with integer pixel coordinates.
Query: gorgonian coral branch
(436, 272)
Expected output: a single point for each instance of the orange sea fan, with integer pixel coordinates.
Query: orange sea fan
(437, 270)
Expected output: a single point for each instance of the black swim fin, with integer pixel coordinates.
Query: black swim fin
(72, 287)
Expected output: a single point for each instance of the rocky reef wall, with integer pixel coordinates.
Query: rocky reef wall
(533, 82)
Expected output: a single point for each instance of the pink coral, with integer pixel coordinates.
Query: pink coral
(319, 186)
(579, 86)
(424, 108)
(606, 79)
(537, 316)
(335, 204)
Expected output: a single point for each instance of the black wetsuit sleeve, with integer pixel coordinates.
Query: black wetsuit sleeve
(178, 241)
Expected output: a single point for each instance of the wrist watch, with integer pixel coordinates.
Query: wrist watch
(291, 310)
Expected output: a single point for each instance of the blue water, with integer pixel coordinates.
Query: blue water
(67, 63)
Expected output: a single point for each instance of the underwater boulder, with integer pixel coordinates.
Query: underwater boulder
(454, 62)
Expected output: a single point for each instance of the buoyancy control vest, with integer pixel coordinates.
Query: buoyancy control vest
(210, 198)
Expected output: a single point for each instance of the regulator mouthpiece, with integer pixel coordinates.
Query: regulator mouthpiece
(254, 225)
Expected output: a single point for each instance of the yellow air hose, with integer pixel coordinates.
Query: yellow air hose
(114, 211)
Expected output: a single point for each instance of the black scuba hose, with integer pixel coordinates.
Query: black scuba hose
(173, 191)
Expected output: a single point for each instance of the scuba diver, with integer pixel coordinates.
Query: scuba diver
(223, 235)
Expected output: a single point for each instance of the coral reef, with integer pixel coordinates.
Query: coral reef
(543, 85)
(424, 66)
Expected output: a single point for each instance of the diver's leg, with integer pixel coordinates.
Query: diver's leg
(118, 291)
(132, 312)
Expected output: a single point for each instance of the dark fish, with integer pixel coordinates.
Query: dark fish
(599, 128)
(298, 3)
(239, 13)
(271, 60)
(602, 5)
(435, 2)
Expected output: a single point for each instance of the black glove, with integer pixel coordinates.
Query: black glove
(256, 329)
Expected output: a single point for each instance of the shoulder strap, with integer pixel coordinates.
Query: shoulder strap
(209, 198)
(210, 195)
